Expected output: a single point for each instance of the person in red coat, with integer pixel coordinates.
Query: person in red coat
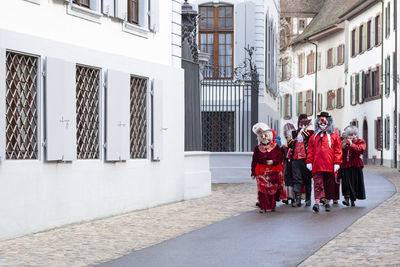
(323, 159)
(266, 168)
(351, 167)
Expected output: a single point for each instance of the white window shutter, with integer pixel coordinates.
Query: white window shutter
(107, 7)
(289, 70)
(117, 116)
(2, 104)
(157, 120)
(60, 114)
(121, 9)
(155, 15)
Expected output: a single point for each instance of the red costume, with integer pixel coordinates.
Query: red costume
(323, 159)
(266, 168)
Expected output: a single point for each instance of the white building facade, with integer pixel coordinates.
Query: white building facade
(93, 97)
(225, 29)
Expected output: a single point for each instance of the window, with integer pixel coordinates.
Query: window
(285, 69)
(133, 11)
(330, 99)
(286, 106)
(387, 20)
(361, 95)
(21, 106)
(216, 38)
(330, 58)
(319, 106)
(357, 87)
(360, 39)
(300, 103)
(378, 133)
(340, 54)
(387, 75)
(310, 63)
(340, 98)
(387, 133)
(138, 121)
(309, 102)
(85, 3)
(302, 25)
(367, 92)
(369, 44)
(87, 112)
(353, 43)
(301, 65)
(377, 30)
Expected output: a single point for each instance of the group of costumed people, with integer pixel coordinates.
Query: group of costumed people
(285, 173)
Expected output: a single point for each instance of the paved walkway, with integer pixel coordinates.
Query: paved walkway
(372, 240)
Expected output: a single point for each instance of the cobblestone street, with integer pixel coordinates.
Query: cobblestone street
(372, 240)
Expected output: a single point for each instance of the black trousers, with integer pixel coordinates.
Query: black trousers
(301, 176)
(353, 183)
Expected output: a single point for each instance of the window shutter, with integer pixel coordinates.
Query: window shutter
(380, 29)
(304, 63)
(343, 96)
(373, 32)
(297, 104)
(335, 54)
(155, 15)
(387, 132)
(60, 114)
(117, 135)
(157, 127)
(394, 62)
(376, 133)
(353, 90)
(357, 48)
(365, 34)
(363, 87)
(107, 7)
(289, 70)
(319, 63)
(290, 106)
(281, 105)
(343, 52)
(121, 9)
(357, 89)
(327, 58)
(310, 102)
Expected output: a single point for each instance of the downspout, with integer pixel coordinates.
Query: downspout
(381, 81)
(315, 79)
(395, 87)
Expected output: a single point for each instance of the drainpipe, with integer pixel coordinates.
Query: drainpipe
(381, 81)
(395, 87)
(315, 79)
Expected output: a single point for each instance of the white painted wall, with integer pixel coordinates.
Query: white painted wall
(197, 182)
(38, 195)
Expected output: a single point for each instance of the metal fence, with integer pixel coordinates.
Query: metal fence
(226, 112)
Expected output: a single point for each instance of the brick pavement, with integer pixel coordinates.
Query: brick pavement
(101, 240)
(373, 240)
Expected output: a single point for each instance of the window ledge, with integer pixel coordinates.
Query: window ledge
(135, 30)
(371, 98)
(83, 12)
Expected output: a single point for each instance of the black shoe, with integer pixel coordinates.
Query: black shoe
(308, 203)
(327, 207)
(335, 202)
(353, 203)
(285, 201)
(346, 202)
(258, 204)
(294, 203)
(315, 208)
(322, 200)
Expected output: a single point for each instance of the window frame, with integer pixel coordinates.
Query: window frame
(130, 5)
(79, 3)
(216, 31)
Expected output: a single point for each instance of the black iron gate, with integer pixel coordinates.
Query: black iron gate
(226, 116)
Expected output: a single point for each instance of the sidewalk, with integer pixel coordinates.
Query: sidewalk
(373, 240)
(102, 240)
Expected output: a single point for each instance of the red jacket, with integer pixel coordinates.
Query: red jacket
(321, 155)
(352, 153)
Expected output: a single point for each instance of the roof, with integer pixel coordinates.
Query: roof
(328, 17)
(301, 6)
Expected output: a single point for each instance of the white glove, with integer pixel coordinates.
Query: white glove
(309, 166)
(336, 167)
(299, 137)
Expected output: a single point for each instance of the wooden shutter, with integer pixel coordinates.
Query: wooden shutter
(357, 44)
(309, 102)
(60, 113)
(357, 88)
(154, 15)
(304, 63)
(157, 120)
(121, 9)
(297, 104)
(117, 116)
(373, 32)
(335, 54)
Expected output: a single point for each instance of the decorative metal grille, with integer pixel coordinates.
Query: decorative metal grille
(21, 104)
(87, 112)
(138, 117)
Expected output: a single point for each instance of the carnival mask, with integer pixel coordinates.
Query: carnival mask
(265, 137)
(323, 123)
(304, 123)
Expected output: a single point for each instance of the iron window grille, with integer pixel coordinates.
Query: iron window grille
(87, 112)
(21, 106)
(138, 120)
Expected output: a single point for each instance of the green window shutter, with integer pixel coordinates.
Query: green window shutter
(364, 86)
